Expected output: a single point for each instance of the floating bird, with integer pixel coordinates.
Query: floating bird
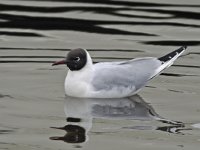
(111, 79)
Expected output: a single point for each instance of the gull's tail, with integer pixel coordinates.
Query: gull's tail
(168, 60)
(171, 57)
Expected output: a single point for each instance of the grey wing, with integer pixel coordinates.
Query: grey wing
(134, 73)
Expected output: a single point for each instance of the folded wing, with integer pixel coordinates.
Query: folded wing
(128, 74)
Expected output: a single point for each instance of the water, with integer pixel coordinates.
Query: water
(34, 112)
(81, 112)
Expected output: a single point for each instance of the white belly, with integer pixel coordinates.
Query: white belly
(84, 90)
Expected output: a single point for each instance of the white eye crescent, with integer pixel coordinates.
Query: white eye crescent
(77, 58)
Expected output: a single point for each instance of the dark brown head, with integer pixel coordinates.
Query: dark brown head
(76, 59)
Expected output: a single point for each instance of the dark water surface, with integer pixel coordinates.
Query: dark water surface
(34, 112)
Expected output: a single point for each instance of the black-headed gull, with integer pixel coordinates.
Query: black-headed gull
(111, 79)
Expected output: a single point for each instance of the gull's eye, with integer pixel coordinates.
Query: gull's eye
(77, 58)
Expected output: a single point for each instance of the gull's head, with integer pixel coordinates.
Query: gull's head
(75, 60)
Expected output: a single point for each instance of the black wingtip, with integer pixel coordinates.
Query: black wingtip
(185, 47)
(172, 54)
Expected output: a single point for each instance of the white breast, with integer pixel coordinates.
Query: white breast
(75, 87)
(77, 83)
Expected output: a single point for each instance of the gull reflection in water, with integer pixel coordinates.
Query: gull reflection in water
(80, 113)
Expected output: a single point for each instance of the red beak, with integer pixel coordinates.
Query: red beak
(59, 62)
